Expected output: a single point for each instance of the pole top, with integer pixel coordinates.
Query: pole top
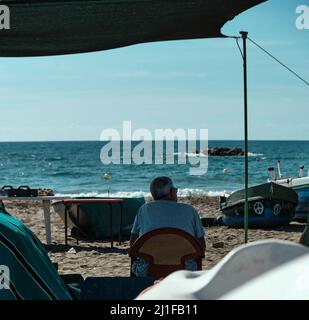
(244, 34)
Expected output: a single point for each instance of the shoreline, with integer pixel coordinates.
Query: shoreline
(96, 258)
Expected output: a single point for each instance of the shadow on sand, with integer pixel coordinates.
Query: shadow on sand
(60, 248)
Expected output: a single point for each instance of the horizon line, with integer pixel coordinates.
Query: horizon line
(228, 140)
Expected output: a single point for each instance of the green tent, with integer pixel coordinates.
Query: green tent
(32, 276)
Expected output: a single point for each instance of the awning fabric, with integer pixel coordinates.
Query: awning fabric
(52, 27)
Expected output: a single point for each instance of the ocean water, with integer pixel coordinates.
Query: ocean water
(75, 168)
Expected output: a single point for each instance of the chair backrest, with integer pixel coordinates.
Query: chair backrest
(166, 250)
(94, 218)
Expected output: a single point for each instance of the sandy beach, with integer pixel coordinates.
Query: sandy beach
(99, 259)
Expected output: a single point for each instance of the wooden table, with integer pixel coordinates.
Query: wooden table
(109, 201)
(46, 201)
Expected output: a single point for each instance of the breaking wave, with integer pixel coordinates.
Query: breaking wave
(181, 193)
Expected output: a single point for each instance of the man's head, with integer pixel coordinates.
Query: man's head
(162, 188)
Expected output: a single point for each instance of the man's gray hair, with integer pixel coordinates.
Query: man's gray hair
(161, 187)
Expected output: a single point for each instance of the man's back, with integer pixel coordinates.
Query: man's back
(167, 214)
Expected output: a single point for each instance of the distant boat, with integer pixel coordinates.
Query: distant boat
(270, 205)
(299, 184)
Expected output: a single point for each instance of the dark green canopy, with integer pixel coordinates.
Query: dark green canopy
(52, 27)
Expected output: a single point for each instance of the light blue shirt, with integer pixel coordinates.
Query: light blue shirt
(167, 214)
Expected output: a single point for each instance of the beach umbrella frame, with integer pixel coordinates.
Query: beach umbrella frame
(244, 36)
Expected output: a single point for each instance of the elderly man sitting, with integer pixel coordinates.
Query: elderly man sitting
(166, 212)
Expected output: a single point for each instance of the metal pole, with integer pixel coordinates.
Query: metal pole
(246, 213)
(306, 230)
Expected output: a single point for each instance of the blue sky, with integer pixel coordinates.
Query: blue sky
(176, 84)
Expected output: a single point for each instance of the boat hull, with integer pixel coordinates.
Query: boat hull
(266, 221)
(270, 205)
(301, 187)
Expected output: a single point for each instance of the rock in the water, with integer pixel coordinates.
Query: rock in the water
(224, 152)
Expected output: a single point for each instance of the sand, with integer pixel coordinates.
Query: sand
(99, 259)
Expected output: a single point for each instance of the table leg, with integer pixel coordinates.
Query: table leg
(65, 225)
(46, 208)
(120, 223)
(77, 225)
(111, 224)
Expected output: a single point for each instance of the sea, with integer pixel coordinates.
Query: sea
(75, 168)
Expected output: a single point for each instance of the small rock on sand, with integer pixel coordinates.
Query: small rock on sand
(72, 250)
(219, 244)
